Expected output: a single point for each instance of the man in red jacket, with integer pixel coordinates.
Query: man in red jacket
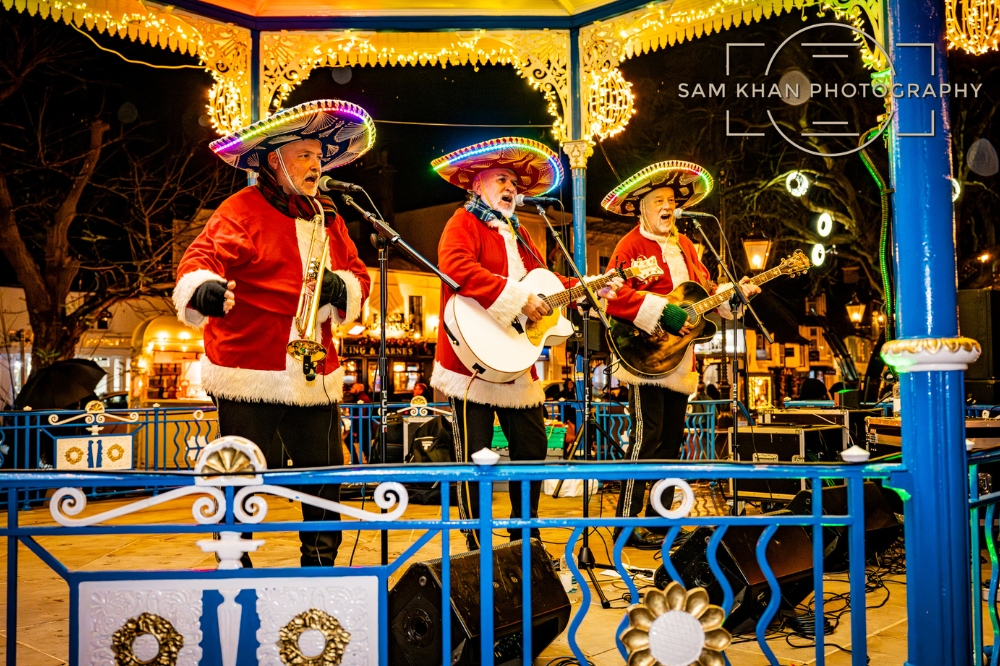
(484, 249)
(658, 405)
(241, 279)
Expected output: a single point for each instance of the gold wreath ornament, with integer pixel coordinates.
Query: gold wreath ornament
(115, 452)
(336, 637)
(675, 627)
(73, 455)
(169, 641)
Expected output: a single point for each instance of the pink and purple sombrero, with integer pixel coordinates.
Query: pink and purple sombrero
(538, 168)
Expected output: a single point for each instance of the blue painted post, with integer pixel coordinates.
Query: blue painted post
(933, 427)
(578, 150)
(486, 572)
(580, 218)
(12, 542)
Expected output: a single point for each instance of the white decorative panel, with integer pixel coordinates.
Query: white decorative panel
(94, 452)
(352, 600)
(105, 607)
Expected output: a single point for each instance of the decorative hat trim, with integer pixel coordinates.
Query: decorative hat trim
(691, 183)
(537, 167)
(345, 130)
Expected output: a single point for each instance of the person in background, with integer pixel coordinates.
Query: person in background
(812, 389)
(357, 393)
(420, 389)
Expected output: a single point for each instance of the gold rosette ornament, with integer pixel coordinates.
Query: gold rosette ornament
(675, 627)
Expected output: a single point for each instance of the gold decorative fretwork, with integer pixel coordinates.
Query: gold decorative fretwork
(336, 637)
(540, 56)
(169, 640)
(224, 49)
(578, 152)
(973, 25)
(605, 44)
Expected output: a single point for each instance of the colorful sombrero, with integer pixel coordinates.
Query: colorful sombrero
(537, 167)
(345, 130)
(690, 182)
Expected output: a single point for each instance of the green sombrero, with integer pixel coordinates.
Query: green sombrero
(691, 183)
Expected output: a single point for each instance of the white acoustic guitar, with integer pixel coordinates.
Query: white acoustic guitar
(503, 353)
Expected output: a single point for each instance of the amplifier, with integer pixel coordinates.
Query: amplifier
(851, 421)
(782, 444)
(982, 392)
(980, 434)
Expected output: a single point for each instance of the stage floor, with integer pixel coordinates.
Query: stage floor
(43, 597)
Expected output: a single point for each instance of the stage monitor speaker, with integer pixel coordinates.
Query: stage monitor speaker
(597, 340)
(979, 319)
(789, 554)
(882, 528)
(415, 608)
(782, 443)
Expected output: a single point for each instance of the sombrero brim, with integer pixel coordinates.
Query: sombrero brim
(690, 182)
(345, 130)
(538, 168)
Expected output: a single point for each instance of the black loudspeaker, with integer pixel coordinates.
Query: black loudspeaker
(979, 319)
(882, 528)
(596, 338)
(982, 391)
(415, 608)
(789, 554)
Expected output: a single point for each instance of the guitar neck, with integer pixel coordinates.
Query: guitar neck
(724, 295)
(564, 298)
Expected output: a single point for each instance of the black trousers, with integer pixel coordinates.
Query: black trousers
(657, 433)
(309, 437)
(524, 428)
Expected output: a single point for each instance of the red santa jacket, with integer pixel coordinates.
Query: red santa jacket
(247, 240)
(644, 309)
(487, 262)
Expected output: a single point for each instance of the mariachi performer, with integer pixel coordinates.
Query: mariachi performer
(484, 249)
(242, 279)
(658, 404)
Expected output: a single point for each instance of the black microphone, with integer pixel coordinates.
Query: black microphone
(680, 212)
(521, 200)
(326, 184)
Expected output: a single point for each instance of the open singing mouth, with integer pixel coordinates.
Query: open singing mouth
(507, 198)
(311, 180)
(667, 215)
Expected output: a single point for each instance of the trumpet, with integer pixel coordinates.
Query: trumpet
(309, 348)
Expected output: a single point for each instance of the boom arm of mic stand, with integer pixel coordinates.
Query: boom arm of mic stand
(591, 296)
(736, 285)
(391, 235)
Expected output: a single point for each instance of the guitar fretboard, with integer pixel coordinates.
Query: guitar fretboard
(724, 295)
(564, 298)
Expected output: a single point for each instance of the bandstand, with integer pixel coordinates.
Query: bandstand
(569, 52)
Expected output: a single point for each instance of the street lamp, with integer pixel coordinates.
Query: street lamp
(856, 311)
(756, 247)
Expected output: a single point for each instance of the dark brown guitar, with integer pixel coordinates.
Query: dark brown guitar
(653, 356)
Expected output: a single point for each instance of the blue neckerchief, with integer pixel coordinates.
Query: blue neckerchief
(482, 210)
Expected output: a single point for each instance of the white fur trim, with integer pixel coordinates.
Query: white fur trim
(522, 392)
(515, 267)
(283, 387)
(353, 298)
(508, 304)
(186, 285)
(648, 317)
(683, 379)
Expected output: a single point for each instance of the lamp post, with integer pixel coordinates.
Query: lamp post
(757, 248)
(856, 311)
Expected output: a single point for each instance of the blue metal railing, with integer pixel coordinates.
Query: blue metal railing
(984, 496)
(428, 530)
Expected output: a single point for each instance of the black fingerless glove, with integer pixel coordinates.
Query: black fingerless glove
(334, 290)
(209, 299)
(673, 318)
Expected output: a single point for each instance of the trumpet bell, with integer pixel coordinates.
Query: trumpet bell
(300, 349)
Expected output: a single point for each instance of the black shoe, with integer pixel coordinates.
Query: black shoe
(641, 539)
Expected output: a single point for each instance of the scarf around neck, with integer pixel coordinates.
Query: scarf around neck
(491, 216)
(292, 205)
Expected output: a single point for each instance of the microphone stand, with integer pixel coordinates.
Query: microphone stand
(585, 556)
(738, 298)
(384, 236)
